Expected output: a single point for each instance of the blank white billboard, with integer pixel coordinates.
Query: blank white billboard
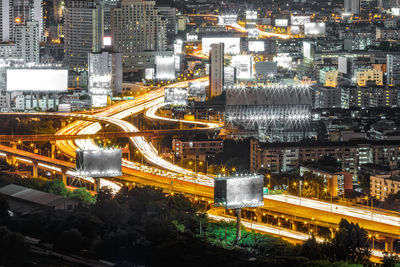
(342, 65)
(37, 80)
(239, 192)
(256, 46)
(231, 45)
(99, 163)
(314, 28)
(165, 68)
(307, 50)
(281, 22)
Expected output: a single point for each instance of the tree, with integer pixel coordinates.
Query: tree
(71, 240)
(389, 260)
(3, 208)
(105, 193)
(111, 213)
(57, 187)
(312, 249)
(82, 195)
(12, 248)
(392, 202)
(350, 243)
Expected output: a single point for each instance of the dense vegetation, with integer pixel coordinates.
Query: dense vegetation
(143, 226)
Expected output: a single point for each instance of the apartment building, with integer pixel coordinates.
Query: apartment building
(286, 157)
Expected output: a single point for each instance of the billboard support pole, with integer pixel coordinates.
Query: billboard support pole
(238, 224)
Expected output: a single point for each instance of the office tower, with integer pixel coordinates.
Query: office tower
(216, 69)
(6, 20)
(393, 69)
(108, 5)
(29, 10)
(83, 32)
(169, 14)
(132, 31)
(105, 73)
(387, 4)
(352, 6)
(27, 39)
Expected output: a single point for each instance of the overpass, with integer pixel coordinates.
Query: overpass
(102, 135)
(274, 205)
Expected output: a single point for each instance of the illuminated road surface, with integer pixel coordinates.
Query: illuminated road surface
(364, 214)
(114, 116)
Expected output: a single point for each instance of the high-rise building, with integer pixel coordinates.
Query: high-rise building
(27, 38)
(105, 73)
(137, 26)
(108, 5)
(83, 32)
(29, 10)
(6, 20)
(352, 6)
(169, 14)
(387, 4)
(216, 69)
(393, 69)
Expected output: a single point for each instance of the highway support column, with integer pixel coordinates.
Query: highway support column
(35, 170)
(64, 176)
(10, 159)
(53, 149)
(238, 224)
(96, 184)
(294, 226)
(389, 244)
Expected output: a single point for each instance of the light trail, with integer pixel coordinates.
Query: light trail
(338, 209)
(114, 116)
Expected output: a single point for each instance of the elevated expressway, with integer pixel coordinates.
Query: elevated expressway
(177, 179)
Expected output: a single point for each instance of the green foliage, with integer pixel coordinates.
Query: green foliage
(3, 208)
(13, 250)
(350, 243)
(57, 187)
(34, 183)
(392, 202)
(71, 240)
(224, 234)
(82, 195)
(390, 260)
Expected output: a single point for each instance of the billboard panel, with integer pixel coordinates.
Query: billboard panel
(197, 90)
(149, 73)
(314, 28)
(256, 46)
(295, 30)
(299, 20)
(176, 96)
(239, 192)
(99, 101)
(307, 50)
(284, 60)
(99, 163)
(243, 65)
(342, 65)
(165, 68)
(231, 45)
(37, 80)
(281, 22)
